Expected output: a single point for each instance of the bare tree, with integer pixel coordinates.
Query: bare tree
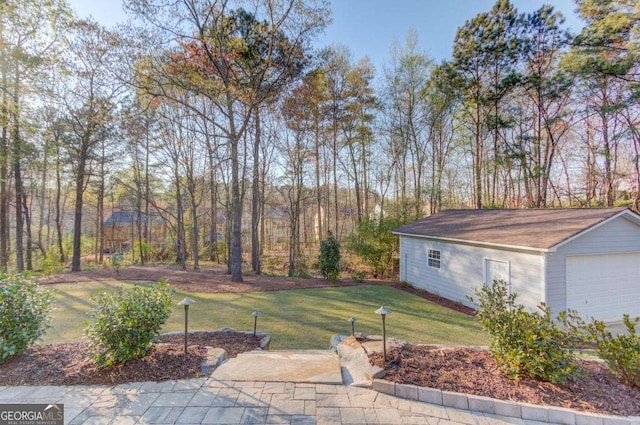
(209, 62)
(90, 100)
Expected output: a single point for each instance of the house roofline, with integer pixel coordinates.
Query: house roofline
(626, 212)
(474, 242)
(632, 215)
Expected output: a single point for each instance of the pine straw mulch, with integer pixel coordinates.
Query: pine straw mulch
(69, 364)
(233, 343)
(474, 371)
(209, 279)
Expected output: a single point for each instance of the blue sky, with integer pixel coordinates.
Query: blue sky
(368, 27)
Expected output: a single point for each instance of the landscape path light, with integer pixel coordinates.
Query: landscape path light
(383, 312)
(255, 315)
(186, 303)
(353, 321)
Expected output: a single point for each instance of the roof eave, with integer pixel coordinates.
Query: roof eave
(633, 216)
(474, 242)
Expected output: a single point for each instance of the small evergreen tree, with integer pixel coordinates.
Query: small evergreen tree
(330, 258)
(374, 243)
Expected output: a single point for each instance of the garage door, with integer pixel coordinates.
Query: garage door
(604, 286)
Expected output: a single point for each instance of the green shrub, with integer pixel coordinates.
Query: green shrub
(125, 322)
(330, 258)
(529, 343)
(358, 276)
(51, 264)
(622, 352)
(117, 258)
(24, 310)
(374, 243)
(146, 250)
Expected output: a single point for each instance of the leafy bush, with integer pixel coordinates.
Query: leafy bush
(358, 276)
(375, 244)
(117, 258)
(330, 258)
(622, 352)
(51, 264)
(146, 250)
(529, 343)
(24, 309)
(126, 321)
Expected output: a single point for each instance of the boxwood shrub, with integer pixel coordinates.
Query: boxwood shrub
(529, 343)
(24, 313)
(125, 322)
(622, 351)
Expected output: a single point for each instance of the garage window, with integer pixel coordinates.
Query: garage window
(434, 258)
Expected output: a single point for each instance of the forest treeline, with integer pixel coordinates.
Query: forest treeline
(222, 119)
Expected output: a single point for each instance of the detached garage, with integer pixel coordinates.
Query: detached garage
(582, 259)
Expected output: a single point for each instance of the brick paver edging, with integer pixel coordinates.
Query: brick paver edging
(475, 403)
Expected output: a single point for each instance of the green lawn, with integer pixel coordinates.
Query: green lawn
(303, 318)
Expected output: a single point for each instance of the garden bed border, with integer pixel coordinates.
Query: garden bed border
(216, 356)
(514, 409)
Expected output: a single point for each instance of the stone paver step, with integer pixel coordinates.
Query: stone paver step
(291, 354)
(305, 366)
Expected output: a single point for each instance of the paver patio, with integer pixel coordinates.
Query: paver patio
(212, 401)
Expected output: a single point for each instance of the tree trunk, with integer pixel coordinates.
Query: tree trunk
(100, 210)
(77, 221)
(42, 194)
(58, 218)
(236, 206)
(17, 171)
(4, 172)
(29, 245)
(354, 164)
(181, 257)
(228, 230)
(477, 161)
(365, 180)
(147, 189)
(196, 229)
(255, 199)
(213, 201)
(17, 174)
(335, 177)
(318, 190)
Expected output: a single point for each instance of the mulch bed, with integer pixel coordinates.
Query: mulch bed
(453, 305)
(209, 279)
(475, 371)
(233, 343)
(68, 364)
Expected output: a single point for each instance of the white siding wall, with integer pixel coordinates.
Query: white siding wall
(619, 235)
(462, 269)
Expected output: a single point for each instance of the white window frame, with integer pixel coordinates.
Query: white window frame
(433, 256)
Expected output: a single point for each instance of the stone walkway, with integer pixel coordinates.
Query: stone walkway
(305, 366)
(212, 401)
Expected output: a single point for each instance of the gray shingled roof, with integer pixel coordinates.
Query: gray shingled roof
(127, 218)
(531, 228)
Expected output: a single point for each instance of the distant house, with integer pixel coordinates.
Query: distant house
(120, 230)
(582, 259)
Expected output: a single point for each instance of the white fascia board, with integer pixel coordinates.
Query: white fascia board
(631, 216)
(472, 242)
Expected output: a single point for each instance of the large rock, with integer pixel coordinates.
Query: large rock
(215, 357)
(335, 340)
(354, 362)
